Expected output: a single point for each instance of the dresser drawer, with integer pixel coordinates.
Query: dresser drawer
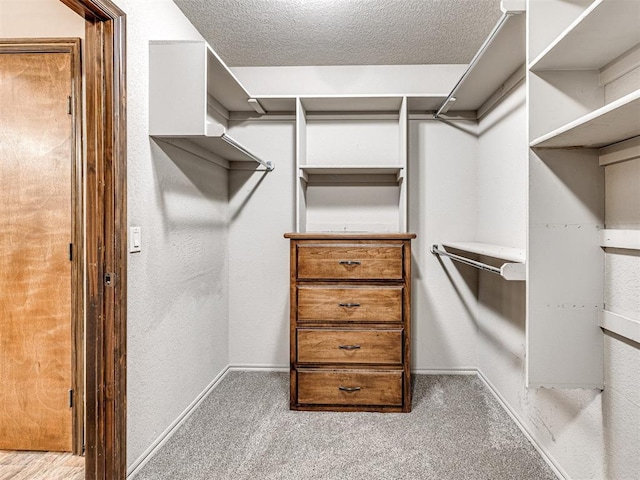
(365, 346)
(349, 387)
(349, 304)
(350, 262)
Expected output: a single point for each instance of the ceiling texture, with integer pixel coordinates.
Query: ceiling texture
(343, 32)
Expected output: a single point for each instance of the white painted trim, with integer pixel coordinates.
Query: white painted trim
(445, 371)
(258, 367)
(622, 65)
(620, 152)
(620, 325)
(136, 466)
(620, 238)
(544, 453)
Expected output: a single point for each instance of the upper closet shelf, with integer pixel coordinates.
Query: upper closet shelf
(191, 92)
(350, 103)
(604, 31)
(514, 269)
(615, 122)
(490, 72)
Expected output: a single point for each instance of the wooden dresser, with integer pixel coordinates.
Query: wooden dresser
(350, 322)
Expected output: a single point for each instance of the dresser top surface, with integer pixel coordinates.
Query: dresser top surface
(350, 236)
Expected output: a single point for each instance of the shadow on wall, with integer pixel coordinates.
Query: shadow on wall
(242, 185)
(200, 181)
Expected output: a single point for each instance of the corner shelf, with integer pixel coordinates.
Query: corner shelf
(500, 61)
(191, 95)
(514, 269)
(604, 31)
(615, 122)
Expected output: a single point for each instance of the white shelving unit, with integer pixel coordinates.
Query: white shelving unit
(575, 114)
(514, 269)
(351, 161)
(605, 30)
(612, 123)
(191, 94)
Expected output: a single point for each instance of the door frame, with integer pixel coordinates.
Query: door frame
(72, 47)
(105, 250)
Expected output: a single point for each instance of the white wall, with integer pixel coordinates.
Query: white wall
(38, 18)
(178, 284)
(442, 207)
(261, 210)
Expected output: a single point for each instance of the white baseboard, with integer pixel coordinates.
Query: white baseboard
(446, 371)
(258, 367)
(544, 453)
(171, 429)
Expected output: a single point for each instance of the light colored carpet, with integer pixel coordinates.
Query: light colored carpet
(244, 430)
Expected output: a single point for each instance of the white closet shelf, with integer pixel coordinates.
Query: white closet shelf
(351, 103)
(352, 169)
(497, 251)
(191, 95)
(514, 269)
(620, 238)
(603, 32)
(500, 61)
(619, 324)
(615, 122)
(216, 146)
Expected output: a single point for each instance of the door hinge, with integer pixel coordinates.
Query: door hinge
(69, 105)
(109, 278)
(71, 398)
(71, 251)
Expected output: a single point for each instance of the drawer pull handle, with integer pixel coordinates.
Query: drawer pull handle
(350, 262)
(349, 305)
(349, 389)
(349, 347)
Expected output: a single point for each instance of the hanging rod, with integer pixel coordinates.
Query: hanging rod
(265, 163)
(508, 271)
(517, 7)
(482, 266)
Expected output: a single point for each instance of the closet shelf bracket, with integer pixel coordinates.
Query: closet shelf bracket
(508, 271)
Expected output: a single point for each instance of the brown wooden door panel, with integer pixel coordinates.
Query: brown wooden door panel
(350, 304)
(365, 346)
(350, 262)
(349, 387)
(36, 141)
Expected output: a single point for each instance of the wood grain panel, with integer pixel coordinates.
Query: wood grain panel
(349, 387)
(35, 233)
(366, 346)
(350, 304)
(353, 262)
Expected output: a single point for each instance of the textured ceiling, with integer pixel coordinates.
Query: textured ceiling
(343, 32)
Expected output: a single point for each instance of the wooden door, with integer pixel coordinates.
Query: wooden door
(36, 144)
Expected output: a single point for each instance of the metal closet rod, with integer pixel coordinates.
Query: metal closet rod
(482, 266)
(265, 163)
(503, 20)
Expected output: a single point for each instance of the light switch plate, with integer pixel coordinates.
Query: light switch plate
(135, 239)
